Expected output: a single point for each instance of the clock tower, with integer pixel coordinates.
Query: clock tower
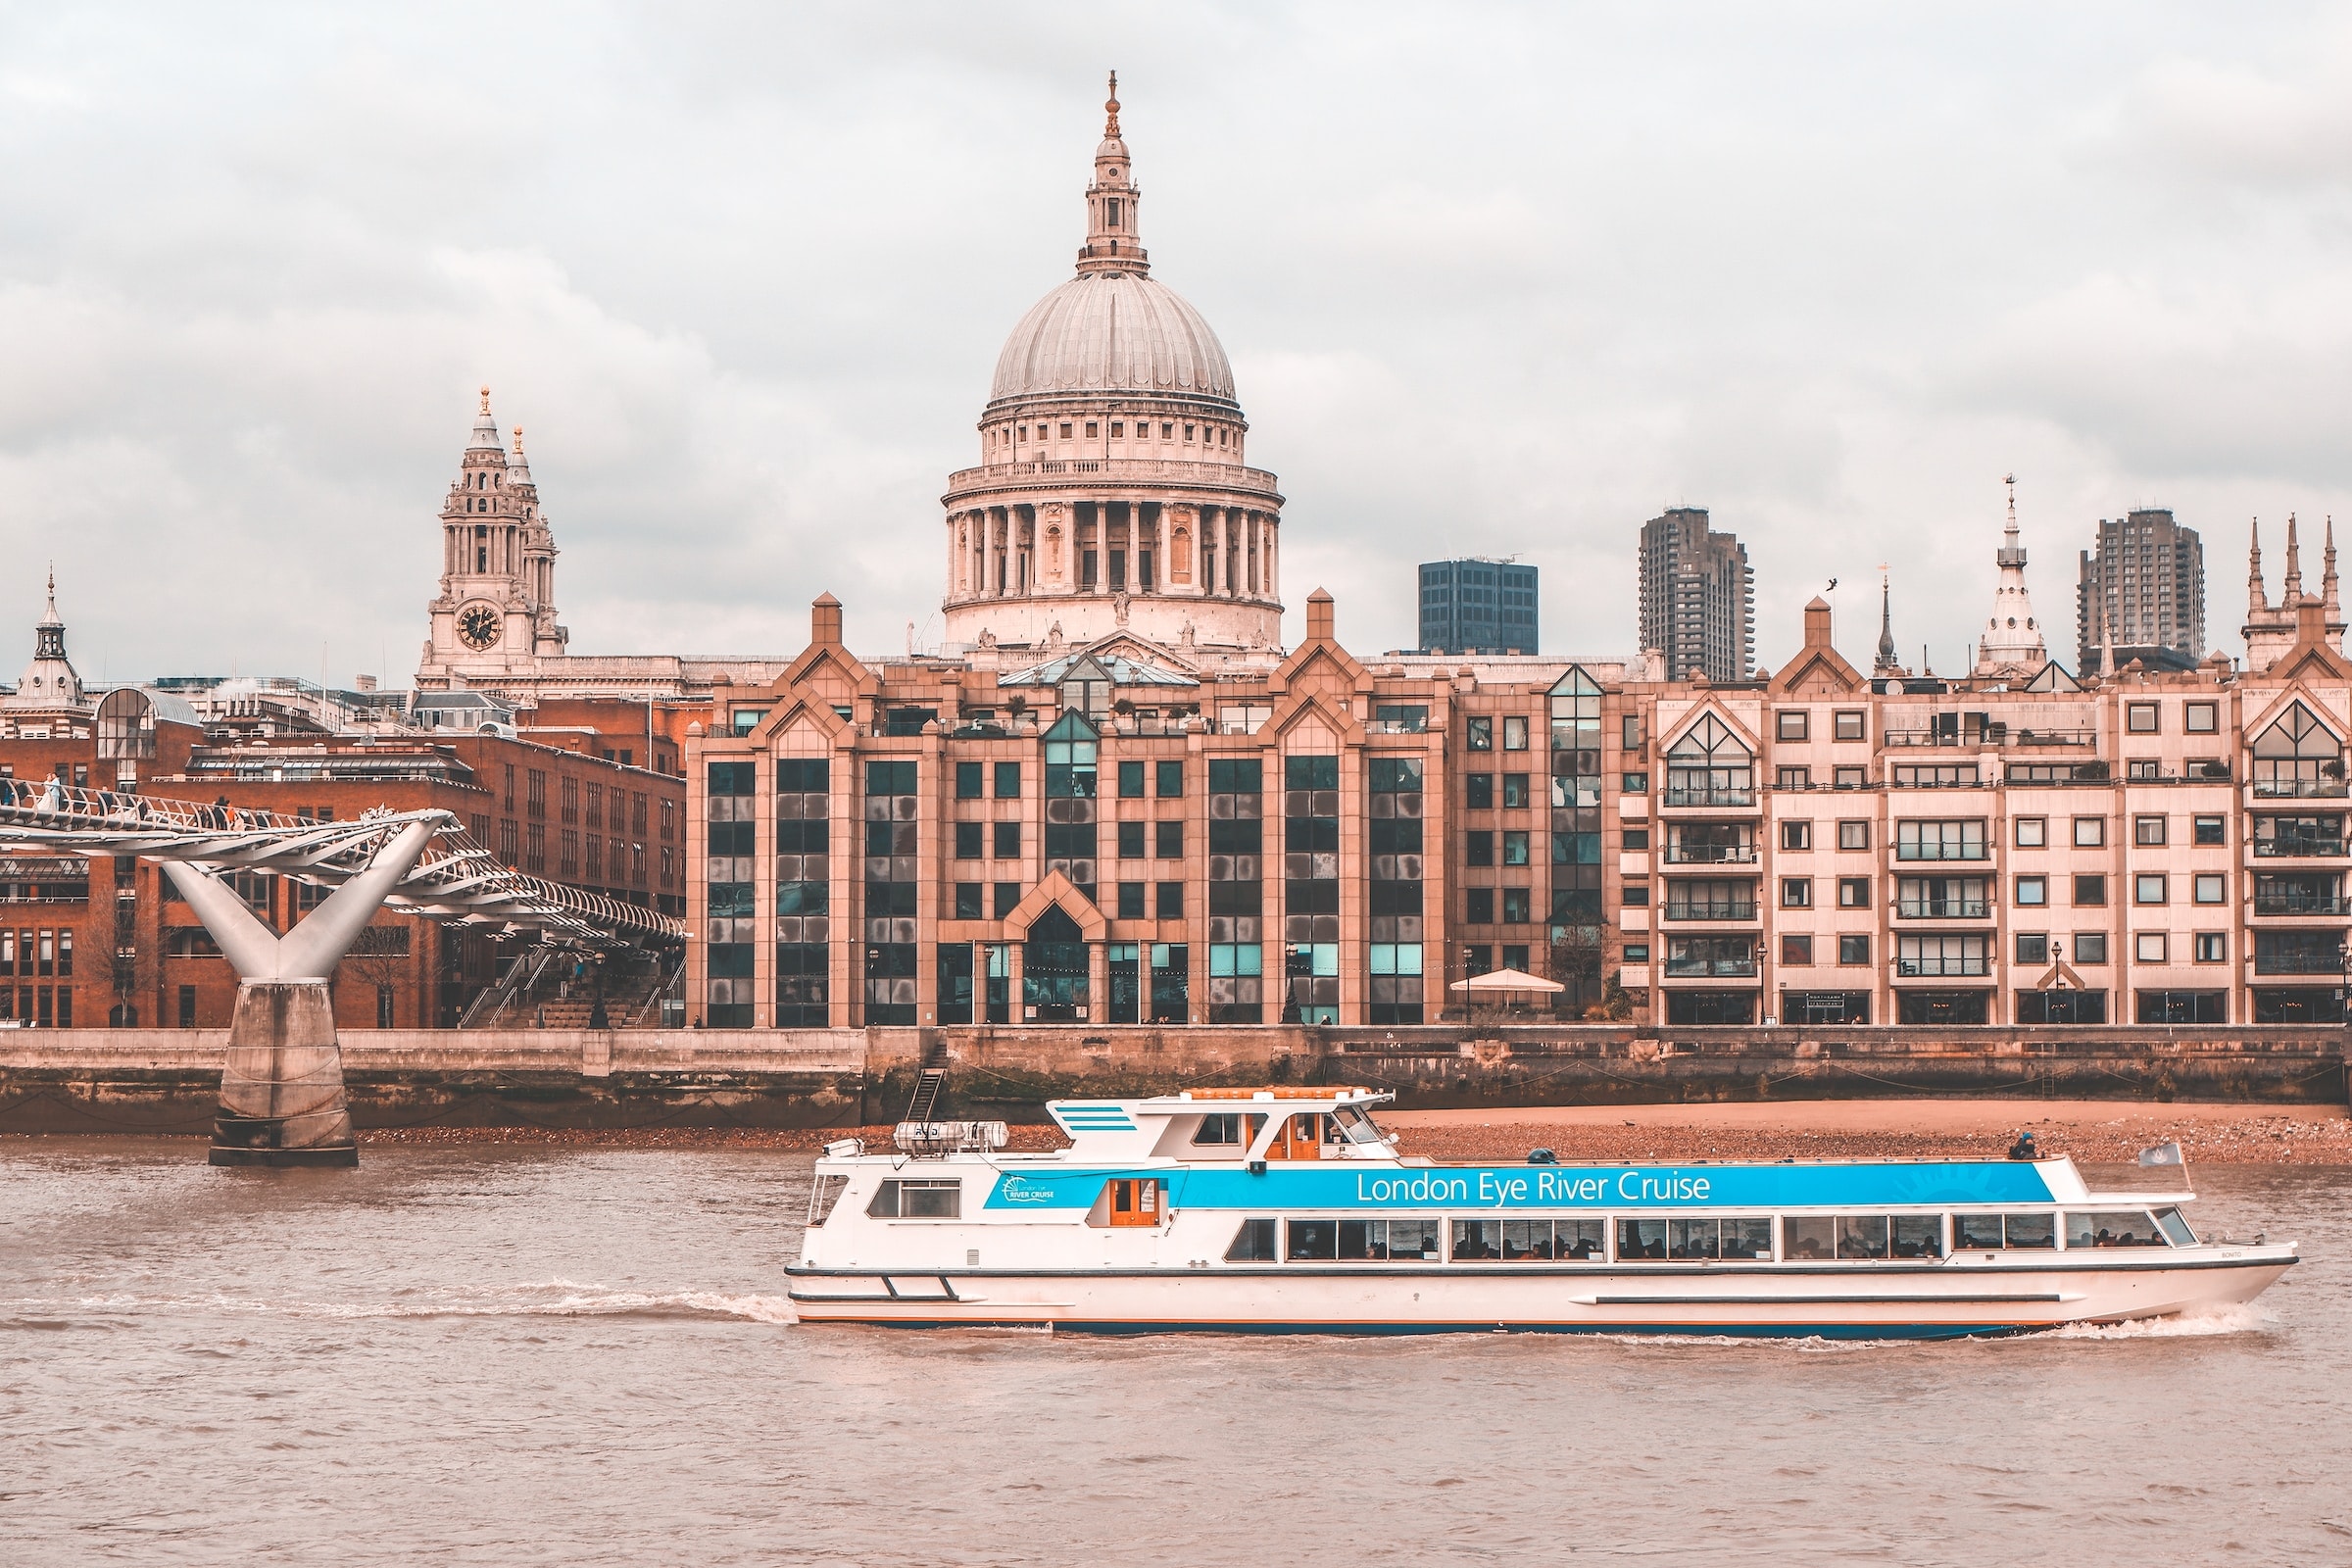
(495, 616)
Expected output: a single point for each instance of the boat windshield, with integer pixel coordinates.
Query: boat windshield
(1352, 1126)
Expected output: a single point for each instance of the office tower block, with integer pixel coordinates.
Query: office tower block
(2142, 588)
(1478, 606)
(1699, 597)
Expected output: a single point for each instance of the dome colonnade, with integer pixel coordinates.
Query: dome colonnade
(1112, 491)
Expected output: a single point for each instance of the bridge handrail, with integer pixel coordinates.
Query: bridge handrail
(457, 879)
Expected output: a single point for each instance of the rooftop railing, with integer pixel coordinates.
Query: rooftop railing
(1204, 469)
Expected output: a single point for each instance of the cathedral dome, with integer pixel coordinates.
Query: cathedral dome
(1113, 332)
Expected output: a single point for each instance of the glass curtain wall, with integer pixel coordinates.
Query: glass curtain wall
(803, 888)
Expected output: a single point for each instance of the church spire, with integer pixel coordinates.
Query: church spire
(1111, 203)
(2258, 597)
(2012, 640)
(1885, 663)
(2328, 594)
(2290, 592)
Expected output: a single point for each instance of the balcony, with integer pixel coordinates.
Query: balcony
(2300, 789)
(2299, 848)
(1710, 797)
(2300, 901)
(1720, 909)
(1712, 968)
(1942, 852)
(1941, 909)
(2329, 963)
(1710, 854)
(1941, 968)
(1993, 734)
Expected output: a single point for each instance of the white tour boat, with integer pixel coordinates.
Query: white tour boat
(1288, 1210)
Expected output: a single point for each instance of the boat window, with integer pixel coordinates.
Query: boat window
(1808, 1239)
(1816, 1238)
(1641, 1239)
(1582, 1240)
(1311, 1241)
(2113, 1227)
(1711, 1236)
(1919, 1235)
(1692, 1238)
(1861, 1236)
(1379, 1241)
(1349, 1125)
(911, 1199)
(2176, 1228)
(1523, 1241)
(1225, 1128)
(823, 1195)
(1987, 1233)
(1254, 1242)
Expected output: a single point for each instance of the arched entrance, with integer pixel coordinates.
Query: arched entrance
(1054, 969)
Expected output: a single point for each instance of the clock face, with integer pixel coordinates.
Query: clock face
(477, 627)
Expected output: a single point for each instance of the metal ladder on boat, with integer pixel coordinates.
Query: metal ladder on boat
(928, 1085)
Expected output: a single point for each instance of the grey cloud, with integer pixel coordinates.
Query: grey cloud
(1503, 280)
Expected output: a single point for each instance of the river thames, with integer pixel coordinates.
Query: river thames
(486, 1354)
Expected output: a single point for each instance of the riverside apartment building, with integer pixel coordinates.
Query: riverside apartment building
(1111, 837)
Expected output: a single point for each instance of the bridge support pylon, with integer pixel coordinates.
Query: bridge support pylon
(281, 1086)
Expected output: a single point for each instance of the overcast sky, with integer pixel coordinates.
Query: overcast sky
(1494, 280)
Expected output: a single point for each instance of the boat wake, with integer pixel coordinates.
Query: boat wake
(541, 1298)
(2196, 1323)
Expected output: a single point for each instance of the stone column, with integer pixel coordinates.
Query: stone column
(282, 1085)
(1098, 982)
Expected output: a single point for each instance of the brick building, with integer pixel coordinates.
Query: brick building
(91, 940)
(1108, 838)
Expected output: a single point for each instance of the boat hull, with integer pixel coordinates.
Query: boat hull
(1942, 1301)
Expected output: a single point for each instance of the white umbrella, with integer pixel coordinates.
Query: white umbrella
(1503, 980)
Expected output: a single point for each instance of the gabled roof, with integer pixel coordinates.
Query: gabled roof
(1818, 661)
(1121, 666)
(2052, 678)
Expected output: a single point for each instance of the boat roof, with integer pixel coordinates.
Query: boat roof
(1085, 1118)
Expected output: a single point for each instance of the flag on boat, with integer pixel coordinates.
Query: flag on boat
(2167, 1153)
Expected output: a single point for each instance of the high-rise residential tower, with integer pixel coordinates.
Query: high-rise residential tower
(2142, 588)
(1699, 597)
(1478, 606)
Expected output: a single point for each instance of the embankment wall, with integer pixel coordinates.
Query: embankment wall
(165, 1080)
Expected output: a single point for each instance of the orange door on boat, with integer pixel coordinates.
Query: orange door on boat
(1135, 1201)
(1299, 1139)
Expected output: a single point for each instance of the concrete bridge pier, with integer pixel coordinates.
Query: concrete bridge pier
(281, 1086)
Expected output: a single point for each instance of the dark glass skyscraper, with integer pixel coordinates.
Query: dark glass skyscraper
(1478, 606)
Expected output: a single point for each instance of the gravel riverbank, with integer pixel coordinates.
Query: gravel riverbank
(2094, 1132)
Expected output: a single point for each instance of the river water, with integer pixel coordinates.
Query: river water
(532, 1356)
